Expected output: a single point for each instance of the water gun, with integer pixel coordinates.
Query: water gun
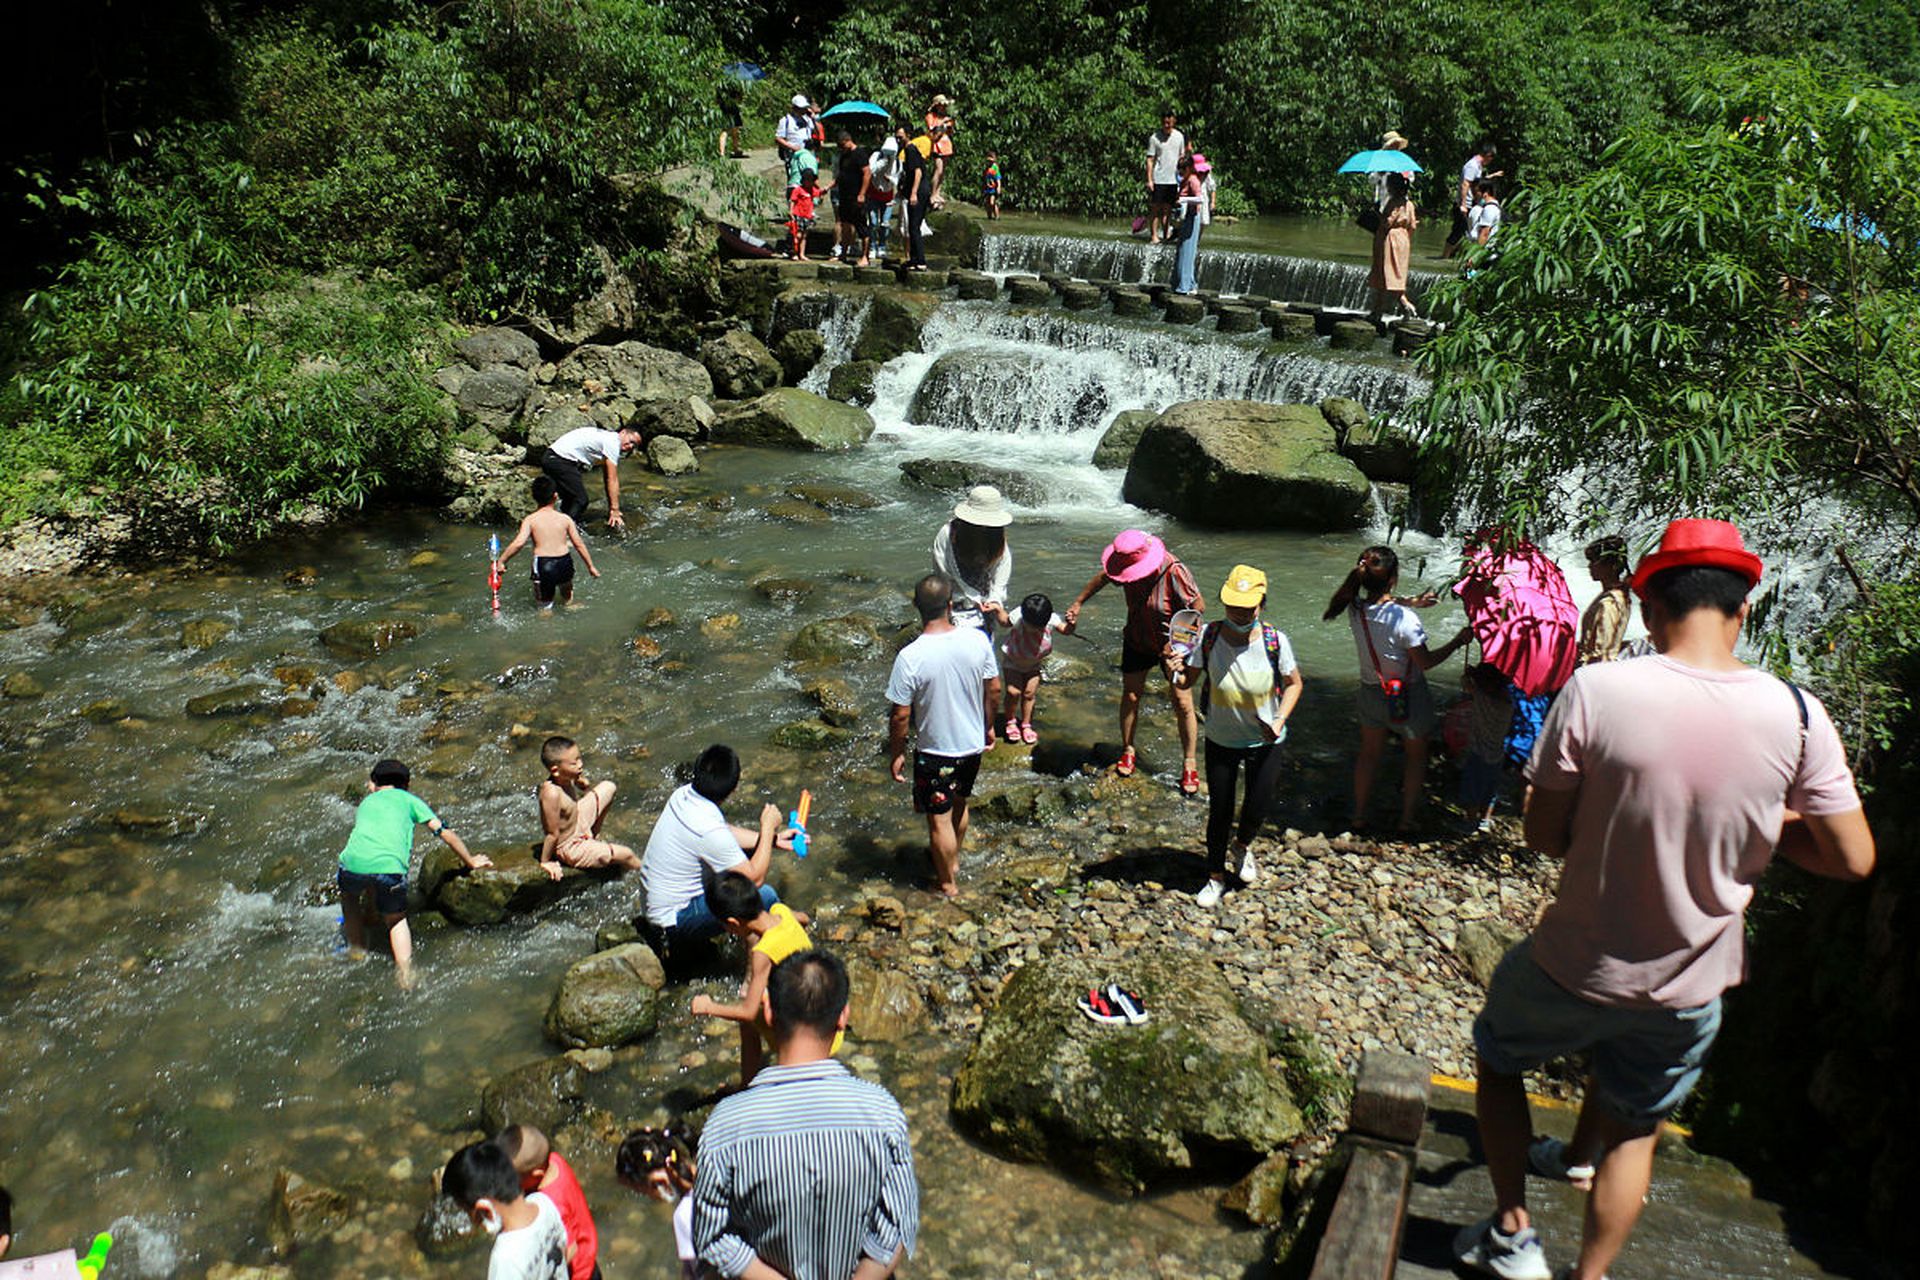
(797, 823)
(96, 1258)
(493, 568)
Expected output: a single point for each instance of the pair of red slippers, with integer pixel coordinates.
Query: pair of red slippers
(1113, 1005)
(1128, 762)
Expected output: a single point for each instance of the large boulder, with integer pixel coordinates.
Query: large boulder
(671, 456)
(892, 328)
(883, 1004)
(835, 640)
(1115, 449)
(550, 424)
(492, 397)
(487, 347)
(545, 1094)
(514, 885)
(1381, 450)
(740, 364)
(632, 370)
(1242, 464)
(609, 999)
(355, 639)
(1193, 1090)
(957, 475)
(686, 417)
(852, 382)
(789, 418)
(798, 351)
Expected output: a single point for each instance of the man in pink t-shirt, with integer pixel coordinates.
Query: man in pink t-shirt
(1667, 783)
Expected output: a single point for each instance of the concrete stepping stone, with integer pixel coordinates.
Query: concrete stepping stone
(1289, 326)
(1184, 308)
(1238, 319)
(1130, 302)
(1079, 295)
(1029, 293)
(1353, 335)
(975, 286)
(873, 275)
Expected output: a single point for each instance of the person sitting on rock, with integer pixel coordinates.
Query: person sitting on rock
(545, 1170)
(555, 538)
(692, 839)
(571, 811)
(374, 862)
(772, 934)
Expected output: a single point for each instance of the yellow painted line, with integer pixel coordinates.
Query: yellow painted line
(1557, 1104)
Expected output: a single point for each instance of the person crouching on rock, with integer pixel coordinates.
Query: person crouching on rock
(571, 811)
(692, 839)
(1157, 586)
(1252, 687)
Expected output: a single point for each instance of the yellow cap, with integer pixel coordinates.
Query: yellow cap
(1246, 586)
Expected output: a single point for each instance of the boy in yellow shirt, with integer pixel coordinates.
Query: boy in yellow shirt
(772, 934)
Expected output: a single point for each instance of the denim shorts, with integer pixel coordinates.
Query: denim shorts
(389, 890)
(696, 921)
(1645, 1061)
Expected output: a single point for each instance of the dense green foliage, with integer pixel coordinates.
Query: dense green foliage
(1278, 92)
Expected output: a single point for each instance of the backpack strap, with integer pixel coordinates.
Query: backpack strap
(1207, 636)
(1272, 637)
(1800, 702)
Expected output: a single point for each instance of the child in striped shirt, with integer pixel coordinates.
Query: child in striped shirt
(1029, 641)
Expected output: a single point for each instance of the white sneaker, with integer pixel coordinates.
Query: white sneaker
(1210, 896)
(1249, 869)
(1484, 1247)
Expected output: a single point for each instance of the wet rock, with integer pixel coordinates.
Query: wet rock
(235, 700)
(1261, 1197)
(486, 347)
(1353, 335)
(348, 681)
(180, 822)
(957, 475)
(789, 418)
(1238, 319)
(493, 397)
(793, 511)
(295, 676)
(807, 735)
(514, 885)
(886, 912)
(1481, 943)
(646, 648)
(835, 698)
(303, 576)
(657, 617)
(683, 417)
(617, 934)
(851, 382)
(301, 1211)
(720, 624)
(835, 640)
(740, 364)
(1381, 450)
(545, 1094)
(609, 999)
(1190, 1091)
(1036, 804)
(1115, 449)
(1130, 302)
(892, 328)
(1029, 292)
(356, 639)
(965, 390)
(631, 370)
(234, 1271)
(204, 633)
(445, 1230)
(835, 497)
(1060, 669)
(883, 1004)
(671, 456)
(1242, 464)
(18, 684)
(781, 590)
(1184, 310)
(294, 708)
(105, 711)
(1290, 328)
(1078, 295)
(798, 350)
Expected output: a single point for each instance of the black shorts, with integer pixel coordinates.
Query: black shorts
(1134, 661)
(389, 890)
(940, 782)
(1164, 194)
(1459, 228)
(550, 573)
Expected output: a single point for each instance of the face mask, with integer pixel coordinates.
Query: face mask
(1238, 628)
(490, 1221)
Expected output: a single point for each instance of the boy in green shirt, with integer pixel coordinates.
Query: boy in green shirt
(374, 863)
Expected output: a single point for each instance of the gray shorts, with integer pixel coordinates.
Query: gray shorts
(1370, 700)
(1645, 1061)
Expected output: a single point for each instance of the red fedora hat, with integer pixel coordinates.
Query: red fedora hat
(1687, 543)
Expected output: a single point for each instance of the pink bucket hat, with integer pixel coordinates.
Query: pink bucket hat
(1132, 556)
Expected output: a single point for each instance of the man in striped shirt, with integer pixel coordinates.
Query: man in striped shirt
(807, 1174)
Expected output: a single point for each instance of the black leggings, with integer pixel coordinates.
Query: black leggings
(1223, 767)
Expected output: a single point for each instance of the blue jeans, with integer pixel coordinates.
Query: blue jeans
(1184, 278)
(695, 921)
(1480, 781)
(879, 222)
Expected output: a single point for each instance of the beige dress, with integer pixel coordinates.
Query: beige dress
(1603, 625)
(1393, 246)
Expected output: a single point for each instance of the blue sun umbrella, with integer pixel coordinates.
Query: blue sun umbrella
(856, 108)
(744, 71)
(1380, 162)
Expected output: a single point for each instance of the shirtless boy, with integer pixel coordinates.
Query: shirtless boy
(571, 811)
(555, 537)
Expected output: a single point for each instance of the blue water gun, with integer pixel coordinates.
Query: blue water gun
(797, 823)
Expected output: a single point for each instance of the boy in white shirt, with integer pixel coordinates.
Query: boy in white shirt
(529, 1240)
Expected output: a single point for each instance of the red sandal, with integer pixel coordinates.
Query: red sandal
(1125, 765)
(1190, 782)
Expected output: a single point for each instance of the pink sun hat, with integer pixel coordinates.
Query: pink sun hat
(1132, 556)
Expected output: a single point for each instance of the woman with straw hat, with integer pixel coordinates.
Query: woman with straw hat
(971, 549)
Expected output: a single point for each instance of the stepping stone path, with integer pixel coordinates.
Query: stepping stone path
(1079, 295)
(1130, 302)
(1029, 293)
(1353, 335)
(1238, 319)
(1289, 326)
(1184, 309)
(976, 286)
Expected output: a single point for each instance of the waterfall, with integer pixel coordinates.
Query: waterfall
(839, 317)
(1282, 277)
(1049, 372)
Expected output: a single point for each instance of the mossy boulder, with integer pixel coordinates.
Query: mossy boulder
(1192, 1091)
(1245, 465)
(838, 705)
(609, 999)
(835, 640)
(892, 328)
(968, 389)
(204, 633)
(1116, 447)
(514, 885)
(852, 382)
(740, 364)
(545, 1094)
(1381, 450)
(789, 418)
(798, 350)
(356, 639)
(957, 475)
(807, 735)
(236, 700)
(671, 456)
(484, 348)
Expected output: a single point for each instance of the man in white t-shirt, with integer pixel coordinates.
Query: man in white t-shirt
(1164, 150)
(577, 452)
(944, 686)
(529, 1239)
(1479, 165)
(1666, 784)
(692, 838)
(794, 136)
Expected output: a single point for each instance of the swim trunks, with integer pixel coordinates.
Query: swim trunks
(550, 573)
(389, 889)
(939, 782)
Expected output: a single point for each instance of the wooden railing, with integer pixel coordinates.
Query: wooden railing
(1362, 1237)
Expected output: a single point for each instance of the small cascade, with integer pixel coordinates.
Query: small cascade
(1046, 372)
(1318, 281)
(839, 317)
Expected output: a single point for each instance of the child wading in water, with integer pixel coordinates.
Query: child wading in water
(773, 933)
(374, 863)
(555, 538)
(658, 1163)
(571, 811)
(990, 185)
(1029, 641)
